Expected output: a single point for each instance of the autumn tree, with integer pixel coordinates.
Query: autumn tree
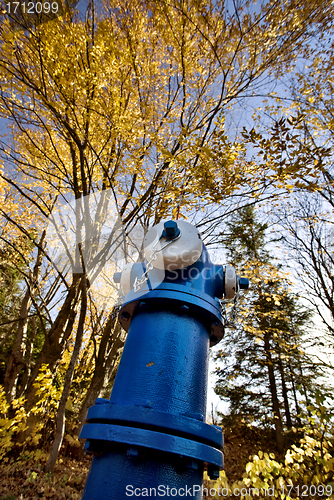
(127, 107)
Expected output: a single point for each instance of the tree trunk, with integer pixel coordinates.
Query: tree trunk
(305, 391)
(52, 349)
(113, 356)
(57, 338)
(27, 360)
(16, 359)
(107, 355)
(60, 420)
(294, 394)
(273, 390)
(285, 394)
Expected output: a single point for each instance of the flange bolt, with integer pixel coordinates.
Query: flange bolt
(213, 472)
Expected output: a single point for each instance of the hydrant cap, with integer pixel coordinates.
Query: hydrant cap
(230, 285)
(183, 252)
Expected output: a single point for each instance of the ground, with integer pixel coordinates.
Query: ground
(26, 479)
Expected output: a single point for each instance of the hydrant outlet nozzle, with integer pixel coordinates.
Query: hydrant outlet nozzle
(243, 283)
(117, 277)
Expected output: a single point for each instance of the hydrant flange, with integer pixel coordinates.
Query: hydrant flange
(152, 419)
(198, 302)
(152, 440)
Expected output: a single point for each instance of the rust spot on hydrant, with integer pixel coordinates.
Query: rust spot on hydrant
(150, 364)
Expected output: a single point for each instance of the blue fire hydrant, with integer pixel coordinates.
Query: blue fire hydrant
(150, 438)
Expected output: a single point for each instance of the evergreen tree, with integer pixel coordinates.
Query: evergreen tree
(263, 370)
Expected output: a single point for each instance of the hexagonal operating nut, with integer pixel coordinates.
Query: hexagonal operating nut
(170, 230)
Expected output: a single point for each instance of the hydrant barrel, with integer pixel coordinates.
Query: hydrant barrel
(165, 362)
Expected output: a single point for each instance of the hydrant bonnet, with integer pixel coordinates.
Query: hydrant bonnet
(183, 252)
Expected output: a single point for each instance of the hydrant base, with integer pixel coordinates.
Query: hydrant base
(150, 474)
